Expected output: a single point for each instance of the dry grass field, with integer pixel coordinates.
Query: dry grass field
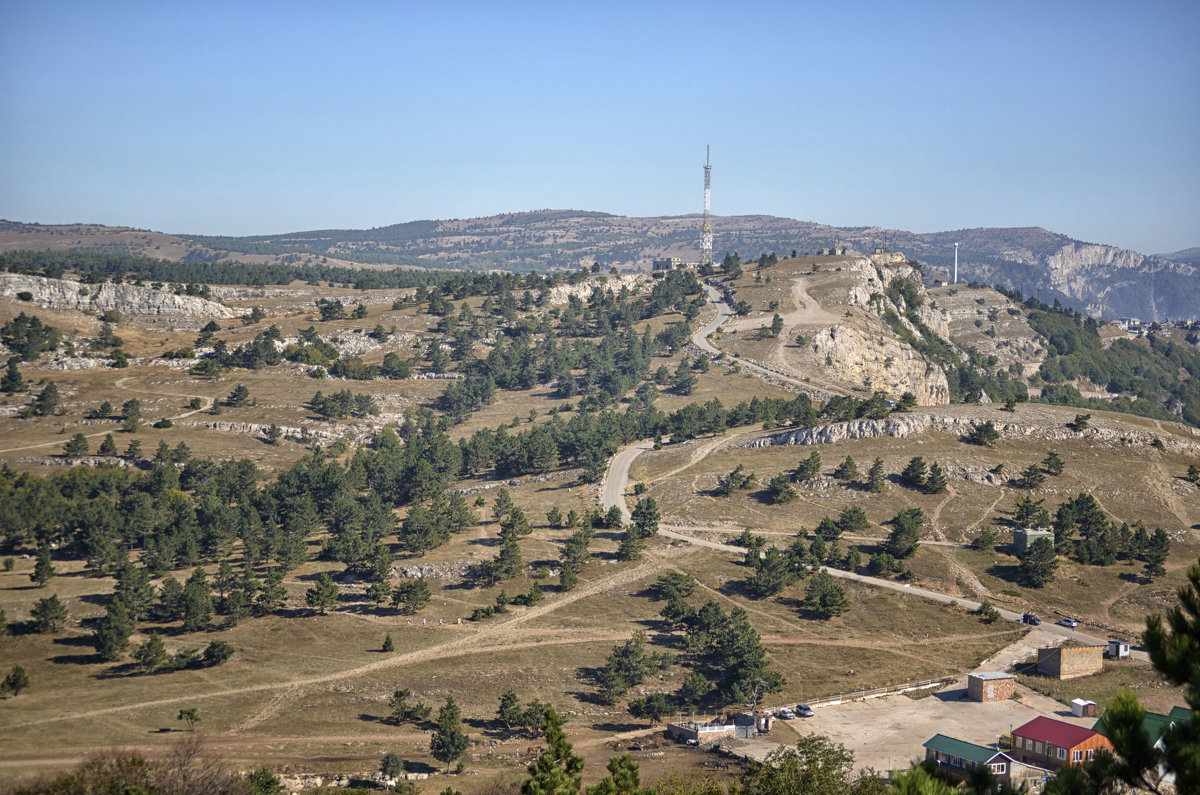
(681, 479)
(315, 687)
(307, 692)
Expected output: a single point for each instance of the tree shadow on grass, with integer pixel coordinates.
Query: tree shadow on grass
(612, 727)
(74, 640)
(1007, 572)
(76, 659)
(125, 671)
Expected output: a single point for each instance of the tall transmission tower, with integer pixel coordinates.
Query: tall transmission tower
(706, 233)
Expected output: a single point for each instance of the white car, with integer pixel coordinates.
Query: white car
(787, 714)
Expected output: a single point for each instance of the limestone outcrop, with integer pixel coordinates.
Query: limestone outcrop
(902, 426)
(880, 359)
(128, 299)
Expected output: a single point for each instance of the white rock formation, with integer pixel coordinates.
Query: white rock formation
(127, 299)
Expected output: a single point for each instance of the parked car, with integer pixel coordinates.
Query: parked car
(1069, 622)
(804, 710)
(636, 747)
(787, 714)
(1030, 619)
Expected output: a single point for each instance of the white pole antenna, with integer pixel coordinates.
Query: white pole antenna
(706, 232)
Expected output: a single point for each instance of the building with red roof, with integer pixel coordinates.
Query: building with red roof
(1050, 743)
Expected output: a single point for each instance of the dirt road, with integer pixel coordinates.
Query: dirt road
(618, 473)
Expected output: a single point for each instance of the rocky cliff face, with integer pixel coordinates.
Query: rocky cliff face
(902, 426)
(127, 299)
(877, 358)
(1116, 282)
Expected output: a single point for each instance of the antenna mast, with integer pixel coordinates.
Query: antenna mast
(706, 232)
(955, 263)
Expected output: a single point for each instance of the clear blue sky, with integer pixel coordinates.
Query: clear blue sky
(266, 117)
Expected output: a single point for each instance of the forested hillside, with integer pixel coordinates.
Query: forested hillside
(1097, 279)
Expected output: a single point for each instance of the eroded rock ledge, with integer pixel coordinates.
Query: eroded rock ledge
(902, 426)
(128, 299)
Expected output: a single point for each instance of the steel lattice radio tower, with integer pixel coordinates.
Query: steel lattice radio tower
(706, 233)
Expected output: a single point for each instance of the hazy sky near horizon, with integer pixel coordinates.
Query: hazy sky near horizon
(269, 117)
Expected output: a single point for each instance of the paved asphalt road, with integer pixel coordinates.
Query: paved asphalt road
(617, 479)
(613, 494)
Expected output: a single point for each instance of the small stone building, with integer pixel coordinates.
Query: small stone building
(1023, 538)
(990, 686)
(1070, 662)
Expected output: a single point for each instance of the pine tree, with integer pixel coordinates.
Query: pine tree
(1156, 552)
(12, 382)
(809, 468)
(197, 601)
(111, 638)
(49, 614)
(43, 569)
(847, 470)
(936, 482)
(780, 490)
(632, 545)
(509, 712)
(983, 433)
(558, 770)
(913, 475)
(16, 681)
(875, 477)
(402, 711)
(391, 766)
(449, 741)
(271, 593)
(773, 574)
(906, 533)
(409, 596)
(1053, 464)
(323, 596)
(824, 598)
(1039, 564)
(134, 591)
(852, 519)
(46, 402)
(151, 654)
(388, 645)
(108, 447)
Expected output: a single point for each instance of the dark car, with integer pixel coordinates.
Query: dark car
(804, 710)
(636, 747)
(1030, 619)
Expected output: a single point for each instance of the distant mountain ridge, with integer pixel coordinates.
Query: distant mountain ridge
(1101, 280)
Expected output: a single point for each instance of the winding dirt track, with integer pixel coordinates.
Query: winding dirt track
(120, 384)
(617, 478)
(494, 637)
